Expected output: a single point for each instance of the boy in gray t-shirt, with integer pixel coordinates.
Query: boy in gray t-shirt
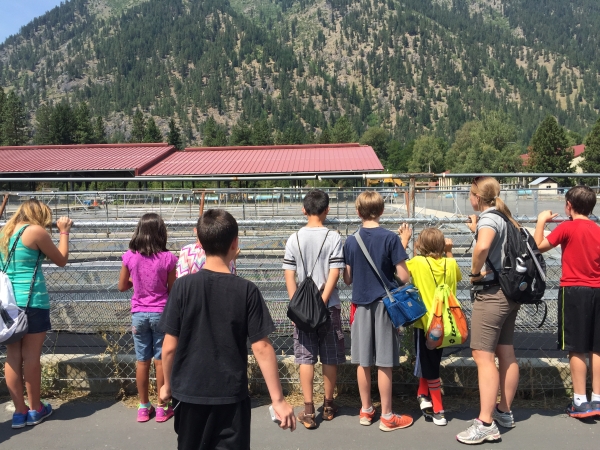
(327, 342)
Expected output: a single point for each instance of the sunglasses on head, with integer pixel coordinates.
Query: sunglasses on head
(476, 179)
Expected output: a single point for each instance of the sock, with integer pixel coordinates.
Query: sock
(595, 397)
(41, 408)
(486, 424)
(423, 387)
(578, 399)
(368, 410)
(436, 394)
(499, 410)
(387, 416)
(145, 405)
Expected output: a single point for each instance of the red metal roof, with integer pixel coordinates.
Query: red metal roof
(265, 160)
(578, 150)
(82, 158)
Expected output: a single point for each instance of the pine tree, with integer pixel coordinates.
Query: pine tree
(63, 125)
(262, 133)
(343, 131)
(99, 131)
(43, 125)
(138, 130)
(14, 121)
(241, 134)
(550, 152)
(2, 101)
(152, 134)
(325, 136)
(174, 135)
(84, 131)
(213, 135)
(591, 156)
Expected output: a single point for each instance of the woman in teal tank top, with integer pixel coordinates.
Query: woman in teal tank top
(27, 227)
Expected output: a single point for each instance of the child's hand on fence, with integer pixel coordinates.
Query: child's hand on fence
(473, 223)
(448, 245)
(286, 414)
(546, 216)
(64, 224)
(405, 232)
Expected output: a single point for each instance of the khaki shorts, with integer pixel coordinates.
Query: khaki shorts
(493, 320)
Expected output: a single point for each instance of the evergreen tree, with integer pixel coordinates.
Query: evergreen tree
(2, 101)
(99, 131)
(550, 151)
(152, 134)
(63, 125)
(138, 130)
(343, 131)
(84, 131)
(14, 121)
(262, 133)
(241, 134)
(174, 135)
(213, 135)
(325, 136)
(43, 126)
(591, 156)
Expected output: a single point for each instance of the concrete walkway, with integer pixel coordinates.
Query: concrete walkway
(107, 425)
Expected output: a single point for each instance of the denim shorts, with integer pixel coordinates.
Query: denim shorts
(147, 338)
(38, 320)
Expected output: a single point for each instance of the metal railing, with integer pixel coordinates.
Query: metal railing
(91, 319)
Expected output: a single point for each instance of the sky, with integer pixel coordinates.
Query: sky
(16, 13)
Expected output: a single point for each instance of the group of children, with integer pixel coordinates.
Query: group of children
(198, 338)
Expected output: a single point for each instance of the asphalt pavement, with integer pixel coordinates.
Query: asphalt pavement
(108, 425)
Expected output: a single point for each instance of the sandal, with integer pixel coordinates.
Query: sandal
(307, 417)
(330, 409)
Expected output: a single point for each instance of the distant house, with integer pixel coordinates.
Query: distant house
(545, 186)
(577, 157)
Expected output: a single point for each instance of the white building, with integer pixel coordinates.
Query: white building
(545, 186)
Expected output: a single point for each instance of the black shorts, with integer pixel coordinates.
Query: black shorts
(38, 320)
(208, 427)
(579, 319)
(428, 361)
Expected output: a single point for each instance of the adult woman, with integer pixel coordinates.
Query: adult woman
(27, 227)
(493, 318)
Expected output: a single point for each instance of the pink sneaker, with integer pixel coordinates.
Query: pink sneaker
(163, 414)
(144, 413)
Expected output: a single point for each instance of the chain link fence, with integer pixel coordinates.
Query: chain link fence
(91, 336)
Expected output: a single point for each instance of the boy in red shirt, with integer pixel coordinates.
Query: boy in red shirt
(579, 294)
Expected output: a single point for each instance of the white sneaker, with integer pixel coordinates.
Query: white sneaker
(478, 433)
(439, 419)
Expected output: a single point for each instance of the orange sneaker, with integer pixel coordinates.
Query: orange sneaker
(366, 418)
(395, 422)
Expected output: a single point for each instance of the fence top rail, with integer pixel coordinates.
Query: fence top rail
(302, 221)
(364, 176)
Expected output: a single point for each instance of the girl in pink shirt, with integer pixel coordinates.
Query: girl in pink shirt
(149, 268)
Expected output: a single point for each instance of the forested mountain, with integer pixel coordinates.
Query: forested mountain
(413, 67)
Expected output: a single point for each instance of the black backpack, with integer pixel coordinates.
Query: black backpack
(306, 308)
(522, 276)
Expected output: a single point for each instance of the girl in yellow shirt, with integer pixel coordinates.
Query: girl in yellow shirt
(434, 265)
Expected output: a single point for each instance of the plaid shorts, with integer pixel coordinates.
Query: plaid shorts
(327, 343)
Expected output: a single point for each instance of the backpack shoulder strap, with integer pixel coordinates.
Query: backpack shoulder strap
(11, 253)
(319, 254)
(301, 258)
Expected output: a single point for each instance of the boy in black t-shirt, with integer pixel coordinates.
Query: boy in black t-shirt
(207, 320)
